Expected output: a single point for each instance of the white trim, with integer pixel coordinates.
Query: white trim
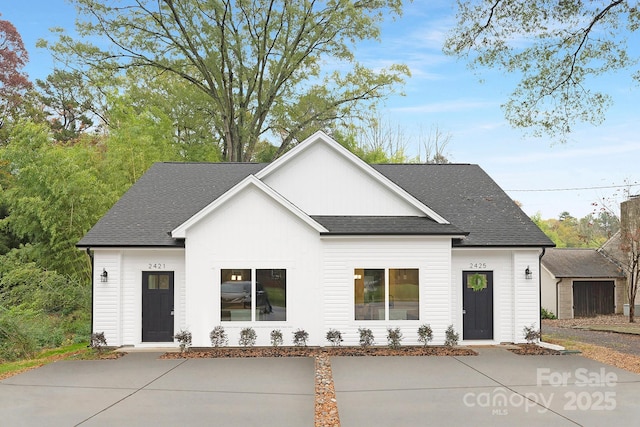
(356, 161)
(180, 231)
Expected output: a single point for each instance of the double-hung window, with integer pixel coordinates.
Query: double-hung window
(386, 294)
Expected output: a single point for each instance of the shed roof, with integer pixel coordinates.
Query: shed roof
(579, 263)
(171, 193)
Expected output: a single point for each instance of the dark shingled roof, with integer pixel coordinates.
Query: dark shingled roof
(579, 263)
(170, 193)
(385, 225)
(468, 198)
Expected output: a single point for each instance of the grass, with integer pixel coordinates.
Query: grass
(9, 369)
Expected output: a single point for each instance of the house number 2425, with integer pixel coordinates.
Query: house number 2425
(478, 265)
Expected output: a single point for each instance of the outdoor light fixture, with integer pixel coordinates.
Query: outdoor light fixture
(104, 275)
(528, 274)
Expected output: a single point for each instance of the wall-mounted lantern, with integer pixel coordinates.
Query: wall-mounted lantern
(104, 276)
(528, 274)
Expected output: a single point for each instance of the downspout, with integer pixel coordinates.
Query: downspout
(540, 291)
(92, 286)
(557, 298)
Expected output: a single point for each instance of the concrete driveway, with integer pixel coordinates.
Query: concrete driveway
(494, 388)
(141, 390)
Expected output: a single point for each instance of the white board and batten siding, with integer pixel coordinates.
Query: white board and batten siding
(515, 298)
(323, 182)
(117, 309)
(252, 231)
(342, 255)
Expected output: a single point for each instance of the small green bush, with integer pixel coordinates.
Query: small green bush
(300, 338)
(394, 337)
(425, 334)
(247, 337)
(218, 337)
(451, 337)
(531, 334)
(276, 338)
(184, 338)
(334, 337)
(545, 314)
(366, 337)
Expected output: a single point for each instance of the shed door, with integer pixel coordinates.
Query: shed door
(157, 306)
(593, 298)
(477, 305)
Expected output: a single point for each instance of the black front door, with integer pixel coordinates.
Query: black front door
(157, 306)
(477, 305)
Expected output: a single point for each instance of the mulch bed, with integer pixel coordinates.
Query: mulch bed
(223, 352)
(533, 350)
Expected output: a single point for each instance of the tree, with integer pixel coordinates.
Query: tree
(13, 57)
(260, 63)
(630, 246)
(556, 47)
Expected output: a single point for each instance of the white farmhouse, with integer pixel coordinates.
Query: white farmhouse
(316, 240)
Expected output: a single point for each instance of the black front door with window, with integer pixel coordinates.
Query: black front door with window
(157, 306)
(477, 305)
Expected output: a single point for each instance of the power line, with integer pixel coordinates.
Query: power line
(579, 188)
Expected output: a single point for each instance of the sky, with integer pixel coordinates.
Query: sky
(596, 163)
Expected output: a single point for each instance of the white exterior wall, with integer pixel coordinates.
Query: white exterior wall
(322, 182)
(515, 299)
(549, 291)
(342, 255)
(252, 231)
(117, 306)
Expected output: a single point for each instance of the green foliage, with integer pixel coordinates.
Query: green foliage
(260, 75)
(591, 231)
(425, 334)
(247, 337)
(394, 337)
(218, 337)
(334, 337)
(546, 314)
(531, 334)
(276, 338)
(451, 337)
(184, 338)
(366, 337)
(53, 198)
(556, 48)
(300, 338)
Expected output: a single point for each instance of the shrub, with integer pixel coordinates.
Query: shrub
(451, 337)
(531, 334)
(15, 340)
(547, 314)
(425, 334)
(300, 338)
(247, 337)
(394, 337)
(334, 337)
(366, 337)
(218, 337)
(184, 339)
(98, 341)
(276, 338)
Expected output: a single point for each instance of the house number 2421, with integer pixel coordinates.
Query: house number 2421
(478, 265)
(157, 266)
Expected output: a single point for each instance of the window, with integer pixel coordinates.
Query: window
(374, 300)
(262, 299)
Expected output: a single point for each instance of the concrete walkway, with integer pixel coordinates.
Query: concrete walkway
(495, 388)
(141, 390)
